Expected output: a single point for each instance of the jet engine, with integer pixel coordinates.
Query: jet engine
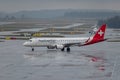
(59, 46)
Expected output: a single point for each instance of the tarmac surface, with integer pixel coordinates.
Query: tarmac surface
(94, 62)
(100, 61)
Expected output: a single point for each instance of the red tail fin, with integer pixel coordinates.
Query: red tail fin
(98, 36)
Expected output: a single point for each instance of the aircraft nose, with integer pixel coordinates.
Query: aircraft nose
(25, 44)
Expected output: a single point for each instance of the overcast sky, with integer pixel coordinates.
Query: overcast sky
(17, 5)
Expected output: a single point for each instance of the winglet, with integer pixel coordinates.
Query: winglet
(98, 36)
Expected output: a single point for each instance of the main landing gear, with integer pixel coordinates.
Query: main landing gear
(62, 49)
(68, 49)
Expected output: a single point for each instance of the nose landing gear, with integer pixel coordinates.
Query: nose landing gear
(32, 49)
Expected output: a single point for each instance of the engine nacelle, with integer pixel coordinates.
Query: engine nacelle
(59, 46)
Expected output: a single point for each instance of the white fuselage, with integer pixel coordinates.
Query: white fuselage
(62, 43)
(45, 42)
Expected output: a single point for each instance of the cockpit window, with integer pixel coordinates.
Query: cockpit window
(30, 40)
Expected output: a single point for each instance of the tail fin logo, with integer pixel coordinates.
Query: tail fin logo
(98, 36)
(100, 33)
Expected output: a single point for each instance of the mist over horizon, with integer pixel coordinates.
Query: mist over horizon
(13, 9)
(30, 5)
(60, 13)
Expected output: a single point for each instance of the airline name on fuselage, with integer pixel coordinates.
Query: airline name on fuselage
(51, 41)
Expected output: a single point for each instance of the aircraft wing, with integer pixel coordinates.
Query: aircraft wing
(72, 44)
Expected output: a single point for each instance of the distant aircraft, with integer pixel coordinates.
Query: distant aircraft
(62, 43)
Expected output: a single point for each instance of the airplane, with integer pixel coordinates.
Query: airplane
(62, 43)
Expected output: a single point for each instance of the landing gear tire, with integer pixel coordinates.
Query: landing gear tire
(68, 49)
(32, 49)
(62, 49)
